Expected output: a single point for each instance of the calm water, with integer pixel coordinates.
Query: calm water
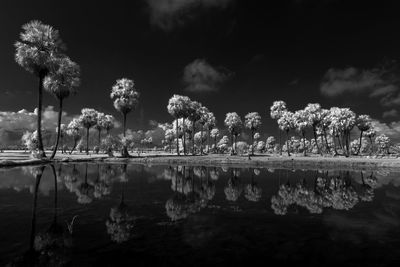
(108, 215)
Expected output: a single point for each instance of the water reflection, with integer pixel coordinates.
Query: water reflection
(120, 223)
(49, 247)
(129, 206)
(335, 192)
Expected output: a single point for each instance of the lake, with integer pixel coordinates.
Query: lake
(111, 215)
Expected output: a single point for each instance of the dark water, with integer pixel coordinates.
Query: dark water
(116, 215)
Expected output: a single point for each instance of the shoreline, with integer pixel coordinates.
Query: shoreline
(258, 161)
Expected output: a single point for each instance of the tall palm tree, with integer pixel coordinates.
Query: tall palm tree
(126, 98)
(36, 52)
(61, 84)
(178, 108)
(88, 119)
(253, 123)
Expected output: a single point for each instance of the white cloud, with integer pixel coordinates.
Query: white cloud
(381, 83)
(199, 76)
(167, 14)
(391, 129)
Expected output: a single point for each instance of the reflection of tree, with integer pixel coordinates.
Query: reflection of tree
(120, 223)
(186, 199)
(333, 192)
(234, 188)
(252, 192)
(48, 248)
(85, 191)
(102, 186)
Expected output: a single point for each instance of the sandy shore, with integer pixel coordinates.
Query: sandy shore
(19, 158)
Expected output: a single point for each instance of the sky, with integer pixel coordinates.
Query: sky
(230, 55)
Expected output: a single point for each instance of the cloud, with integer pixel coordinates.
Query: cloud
(199, 76)
(390, 113)
(391, 129)
(167, 14)
(382, 83)
(14, 124)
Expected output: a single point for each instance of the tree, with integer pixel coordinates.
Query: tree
(169, 137)
(126, 98)
(370, 133)
(194, 116)
(100, 125)
(61, 84)
(276, 111)
(301, 121)
(36, 52)
(286, 123)
(74, 130)
(383, 143)
(235, 125)
(63, 131)
(363, 123)
(204, 118)
(88, 119)
(178, 108)
(343, 121)
(253, 123)
(211, 122)
(325, 124)
(215, 134)
(108, 123)
(315, 116)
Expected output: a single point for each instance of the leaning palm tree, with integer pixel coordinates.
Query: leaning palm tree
(126, 98)
(36, 52)
(61, 84)
(363, 123)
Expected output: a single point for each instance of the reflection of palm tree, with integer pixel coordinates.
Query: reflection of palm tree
(234, 188)
(367, 194)
(252, 191)
(120, 223)
(86, 190)
(53, 243)
(101, 187)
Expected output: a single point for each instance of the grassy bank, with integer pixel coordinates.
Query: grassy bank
(13, 158)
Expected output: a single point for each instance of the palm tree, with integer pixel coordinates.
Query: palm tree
(301, 122)
(315, 115)
(88, 119)
(126, 98)
(74, 130)
(210, 124)
(234, 124)
(194, 116)
(215, 134)
(285, 123)
(253, 123)
(276, 111)
(61, 84)
(178, 108)
(109, 123)
(36, 52)
(363, 123)
(100, 125)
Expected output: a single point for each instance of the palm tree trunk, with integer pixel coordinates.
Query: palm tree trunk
(41, 153)
(304, 144)
(201, 140)
(326, 142)
(87, 141)
(177, 138)
(184, 136)
(58, 129)
(359, 145)
(124, 152)
(287, 143)
(252, 142)
(208, 140)
(193, 129)
(215, 143)
(73, 148)
(280, 142)
(99, 136)
(316, 140)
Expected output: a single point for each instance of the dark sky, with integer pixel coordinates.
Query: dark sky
(282, 50)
